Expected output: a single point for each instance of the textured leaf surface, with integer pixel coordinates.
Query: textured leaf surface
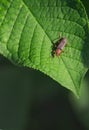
(28, 29)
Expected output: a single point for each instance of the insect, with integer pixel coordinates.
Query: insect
(60, 44)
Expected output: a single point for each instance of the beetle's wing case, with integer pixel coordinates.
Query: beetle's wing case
(62, 42)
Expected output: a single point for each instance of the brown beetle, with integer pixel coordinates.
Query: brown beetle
(60, 46)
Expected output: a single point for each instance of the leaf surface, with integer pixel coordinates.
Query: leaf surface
(28, 29)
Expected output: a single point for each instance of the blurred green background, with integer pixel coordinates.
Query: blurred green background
(29, 100)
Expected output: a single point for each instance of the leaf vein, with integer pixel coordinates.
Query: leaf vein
(19, 45)
(11, 32)
(6, 12)
(41, 47)
(30, 48)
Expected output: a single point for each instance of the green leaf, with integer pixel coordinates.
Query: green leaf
(28, 29)
(86, 4)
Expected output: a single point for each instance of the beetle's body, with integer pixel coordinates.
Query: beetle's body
(60, 46)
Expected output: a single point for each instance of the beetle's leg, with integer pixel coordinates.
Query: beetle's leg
(59, 35)
(53, 53)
